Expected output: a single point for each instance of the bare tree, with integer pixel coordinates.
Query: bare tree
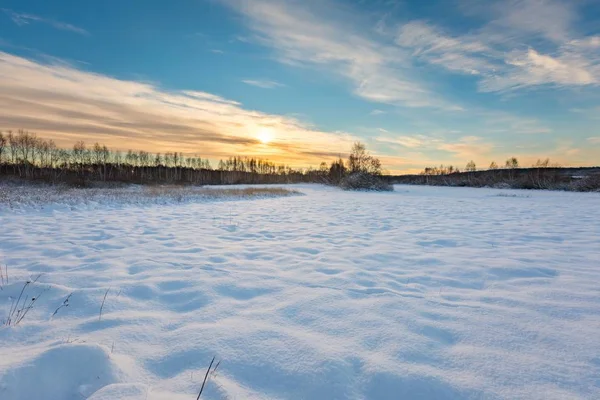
(43, 151)
(118, 158)
(105, 160)
(11, 139)
(471, 166)
(79, 156)
(3, 141)
(157, 160)
(79, 152)
(512, 163)
(97, 154)
(542, 164)
(361, 161)
(337, 171)
(24, 145)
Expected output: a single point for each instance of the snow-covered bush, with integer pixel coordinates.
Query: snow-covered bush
(364, 172)
(365, 181)
(589, 183)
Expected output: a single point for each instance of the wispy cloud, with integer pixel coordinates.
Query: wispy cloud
(521, 44)
(464, 148)
(411, 142)
(22, 19)
(551, 20)
(570, 67)
(464, 54)
(594, 140)
(468, 147)
(302, 36)
(264, 84)
(524, 44)
(499, 122)
(48, 99)
(592, 113)
(377, 112)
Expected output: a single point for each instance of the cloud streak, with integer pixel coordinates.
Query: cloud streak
(263, 84)
(48, 98)
(468, 147)
(301, 36)
(22, 19)
(411, 142)
(524, 44)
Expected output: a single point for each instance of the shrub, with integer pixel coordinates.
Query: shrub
(365, 181)
(364, 172)
(589, 183)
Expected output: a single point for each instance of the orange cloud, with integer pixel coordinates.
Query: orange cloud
(67, 104)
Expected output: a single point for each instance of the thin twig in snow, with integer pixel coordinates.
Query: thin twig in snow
(12, 310)
(102, 306)
(205, 378)
(64, 304)
(214, 371)
(18, 311)
(30, 306)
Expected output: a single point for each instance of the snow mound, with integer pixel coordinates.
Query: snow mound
(121, 391)
(72, 371)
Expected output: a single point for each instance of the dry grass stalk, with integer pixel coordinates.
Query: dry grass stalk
(102, 305)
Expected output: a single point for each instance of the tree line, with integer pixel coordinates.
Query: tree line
(511, 163)
(23, 154)
(541, 175)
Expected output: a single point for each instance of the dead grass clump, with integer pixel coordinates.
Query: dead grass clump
(23, 304)
(29, 195)
(182, 193)
(251, 192)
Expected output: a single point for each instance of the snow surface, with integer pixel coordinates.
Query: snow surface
(424, 293)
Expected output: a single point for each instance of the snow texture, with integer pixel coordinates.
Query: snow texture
(423, 293)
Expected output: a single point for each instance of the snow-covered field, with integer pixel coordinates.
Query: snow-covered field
(424, 293)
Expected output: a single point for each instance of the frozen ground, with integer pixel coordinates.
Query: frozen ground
(425, 293)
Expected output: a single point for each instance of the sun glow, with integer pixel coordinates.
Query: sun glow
(265, 135)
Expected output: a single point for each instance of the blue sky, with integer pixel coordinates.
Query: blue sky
(420, 82)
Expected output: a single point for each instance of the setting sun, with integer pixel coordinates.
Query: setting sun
(265, 135)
